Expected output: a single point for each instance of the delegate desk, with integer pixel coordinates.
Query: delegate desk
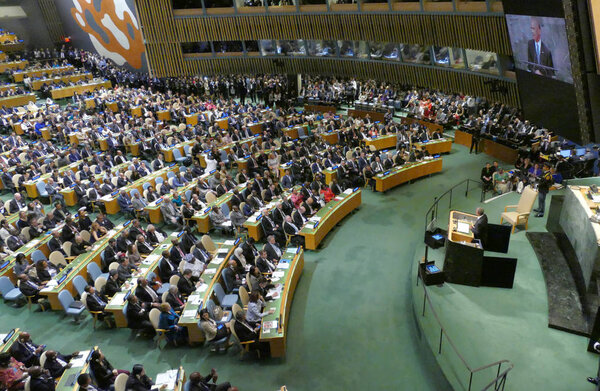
(8, 340)
(78, 267)
(41, 243)
(190, 316)
(374, 115)
(202, 217)
(405, 173)
(318, 226)
(274, 326)
(320, 108)
(432, 126)
(38, 83)
(381, 142)
(436, 147)
(17, 100)
(331, 137)
(67, 92)
(116, 305)
(463, 138)
(78, 366)
(40, 72)
(6, 66)
(110, 200)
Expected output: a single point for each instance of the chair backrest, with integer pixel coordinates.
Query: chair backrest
(128, 174)
(348, 155)
(67, 247)
(163, 298)
(37, 256)
(210, 197)
(208, 244)
(146, 185)
(236, 309)
(232, 328)
(219, 292)
(227, 286)
(170, 174)
(121, 382)
(65, 299)
(113, 266)
(225, 209)
(301, 131)
(187, 150)
(210, 307)
(186, 386)
(133, 192)
(527, 200)
(16, 179)
(42, 359)
(5, 285)
(99, 284)
(159, 180)
(223, 154)
(41, 188)
(114, 181)
(244, 298)
(57, 258)
(188, 195)
(176, 153)
(28, 383)
(248, 282)
(85, 235)
(25, 234)
(171, 181)
(242, 206)
(174, 280)
(154, 315)
(80, 283)
(93, 270)
(158, 187)
(84, 300)
(182, 264)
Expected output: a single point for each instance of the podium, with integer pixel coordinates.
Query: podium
(465, 261)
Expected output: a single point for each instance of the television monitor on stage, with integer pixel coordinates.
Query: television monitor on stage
(540, 46)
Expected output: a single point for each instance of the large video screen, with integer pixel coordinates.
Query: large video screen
(540, 46)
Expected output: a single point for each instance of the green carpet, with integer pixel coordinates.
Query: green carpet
(352, 325)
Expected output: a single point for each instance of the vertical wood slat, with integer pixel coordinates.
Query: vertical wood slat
(52, 19)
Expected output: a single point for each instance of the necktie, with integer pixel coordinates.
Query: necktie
(537, 50)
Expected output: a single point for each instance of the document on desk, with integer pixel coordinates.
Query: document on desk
(79, 361)
(283, 265)
(218, 260)
(212, 270)
(270, 324)
(278, 274)
(223, 250)
(32, 243)
(229, 242)
(196, 299)
(348, 191)
(118, 299)
(168, 378)
(189, 313)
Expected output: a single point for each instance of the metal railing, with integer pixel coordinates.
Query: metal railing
(504, 366)
(432, 212)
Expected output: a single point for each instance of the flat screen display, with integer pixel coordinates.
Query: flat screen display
(540, 46)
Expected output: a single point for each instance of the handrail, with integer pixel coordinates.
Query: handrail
(499, 381)
(433, 209)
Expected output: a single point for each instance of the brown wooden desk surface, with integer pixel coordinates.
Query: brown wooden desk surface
(374, 115)
(17, 100)
(406, 173)
(382, 142)
(66, 92)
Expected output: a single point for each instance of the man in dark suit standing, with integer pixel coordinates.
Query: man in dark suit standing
(538, 53)
(480, 227)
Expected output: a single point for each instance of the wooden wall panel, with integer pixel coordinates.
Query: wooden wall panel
(52, 19)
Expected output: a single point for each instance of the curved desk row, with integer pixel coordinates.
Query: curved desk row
(328, 216)
(116, 304)
(38, 83)
(274, 326)
(67, 92)
(78, 267)
(18, 76)
(190, 316)
(8, 340)
(406, 173)
(17, 100)
(5, 66)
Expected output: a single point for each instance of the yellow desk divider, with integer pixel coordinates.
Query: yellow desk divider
(78, 366)
(7, 340)
(274, 326)
(407, 172)
(117, 303)
(319, 225)
(197, 300)
(331, 137)
(78, 267)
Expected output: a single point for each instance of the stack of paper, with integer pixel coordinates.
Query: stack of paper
(278, 274)
(348, 191)
(168, 379)
(195, 299)
(79, 361)
(118, 299)
(271, 324)
(223, 250)
(229, 242)
(283, 265)
(188, 313)
(210, 271)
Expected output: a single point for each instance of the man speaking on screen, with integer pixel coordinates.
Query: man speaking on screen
(538, 53)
